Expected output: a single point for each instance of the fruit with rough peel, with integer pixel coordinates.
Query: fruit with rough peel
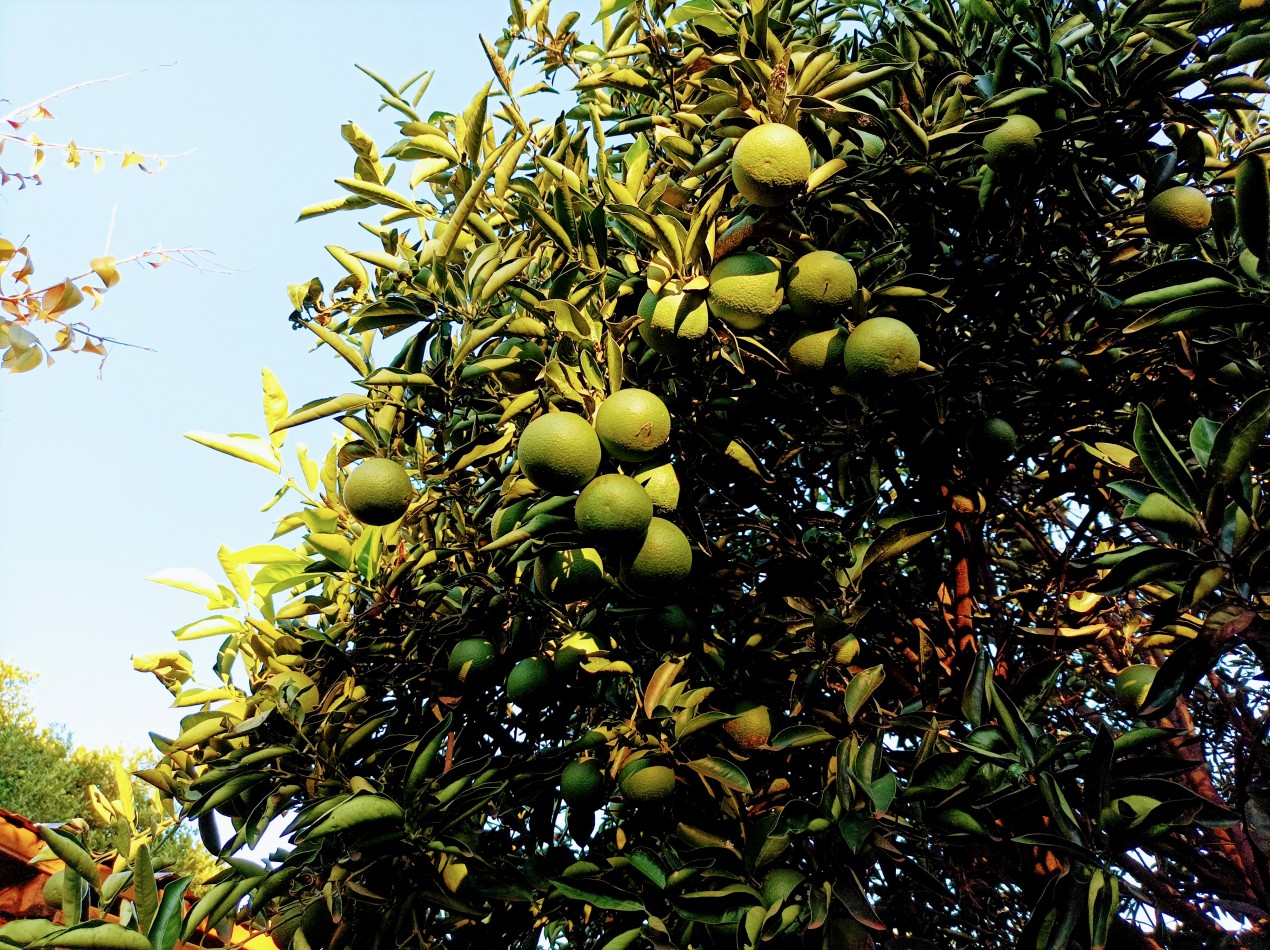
(644, 782)
(284, 924)
(1013, 143)
(663, 561)
(1133, 683)
(880, 349)
(811, 354)
(992, 440)
(661, 483)
(613, 509)
(672, 323)
(752, 727)
(378, 492)
(771, 165)
(529, 361)
(573, 652)
(570, 575)
(632, 425)
(820, 284)
(559, 452)
(1177, 215)
(745, 290)
(472, 660)
(582, 784)
(529, 682)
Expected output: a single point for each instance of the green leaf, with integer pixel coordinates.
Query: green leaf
(1163, 462)
(196, 582)
(1201, 438)
(74, 854)
(598, 893)
(796, 737)
(321, 408)
(249, 448)
(860, 688)
(723, 772)
(275, 400)
(898, 538)
(1235, 441)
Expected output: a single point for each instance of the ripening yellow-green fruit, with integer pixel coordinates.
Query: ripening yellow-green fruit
(632, 425)
(1133, 683)
(378, 492)
(745, 290)
(820, 285)
(582, 784)
(1012, 143)
(663, 561)
(645, 782)
(570, 575)
(880, 349)
(559, 452)
(613, 509)
(771, 165)
(812, 354)
(673, 323)
(1177, 215)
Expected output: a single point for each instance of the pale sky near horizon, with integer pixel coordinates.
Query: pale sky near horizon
(100, 487)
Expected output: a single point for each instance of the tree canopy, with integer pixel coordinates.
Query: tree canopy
(931, 338)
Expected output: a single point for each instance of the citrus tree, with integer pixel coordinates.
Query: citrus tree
(806, 493)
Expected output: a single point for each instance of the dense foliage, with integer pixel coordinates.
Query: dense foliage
(888, 693)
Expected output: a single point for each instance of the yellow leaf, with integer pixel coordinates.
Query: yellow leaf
(39, 160)
(72, 155)
(249, 448)
(104, 267)
(61, 298)
(98, 163)
(275, 406)
(92, 346)
(93, 293)
(132, 158)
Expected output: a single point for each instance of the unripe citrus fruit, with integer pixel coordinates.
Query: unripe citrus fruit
(779, 884)
(1132, 685)
(284, 924)
(559, 452)
(812, 353)
(378, 492)
(992, 440)
(317, 924)
(663, 561)
(53, 889)
(529, 682)
(613, 509)
(582, 784)
(661, 483)
(1177, 215)
(644, 782)
(632, 424)
(752, 727)
(745, 290)
(671, 323)
(472, 660)
(529, 360)
(1013, 143)
(573, 652)
(880, 349)
(821, 283)
(296, 687)
(771, 165)
(507, 519)
(570, 575)
(1252, 206)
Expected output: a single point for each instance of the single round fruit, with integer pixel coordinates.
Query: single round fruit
(752, 727)
(53, 888)
(672, 323)
(570, 575)
(771, 165)
(645, 782)
(573, 652)
(1178, 215)
(1012, 143)
(559, 452)
(1132, 685)
(880, 349)
(472, 660)
(529, 682)
(779, 884)
(507, 519)
(663, 624)
(992, 440)
(614, 509)
(284, 924)
(745, 290)
(582, 784)
(378, 492)
(296, 687)
(812, 353)
(317, 924)
(632, 424)
(529, 361)
(1070, 370)
(661, 483)
(820, 284)
(663, 561)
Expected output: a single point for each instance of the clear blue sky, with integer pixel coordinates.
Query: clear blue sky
(100, 488)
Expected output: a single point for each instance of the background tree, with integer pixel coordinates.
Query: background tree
(45, 777)
(934, 336)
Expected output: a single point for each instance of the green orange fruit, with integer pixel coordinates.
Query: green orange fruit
(771, 165)
(880, 349)
(661, 483)
(559, 452)
(645, 781)
(613, 509)
(1177, 215)
(472, 660)
(378, 492)
(632, 425)
(821, 284)
(570, 575)
(745, 290)
(583, 785)
(673, 323)
(811, 354)
(992, 440)
(1012, 143)
(663, 561)
(529, 682)
(1133, 683)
